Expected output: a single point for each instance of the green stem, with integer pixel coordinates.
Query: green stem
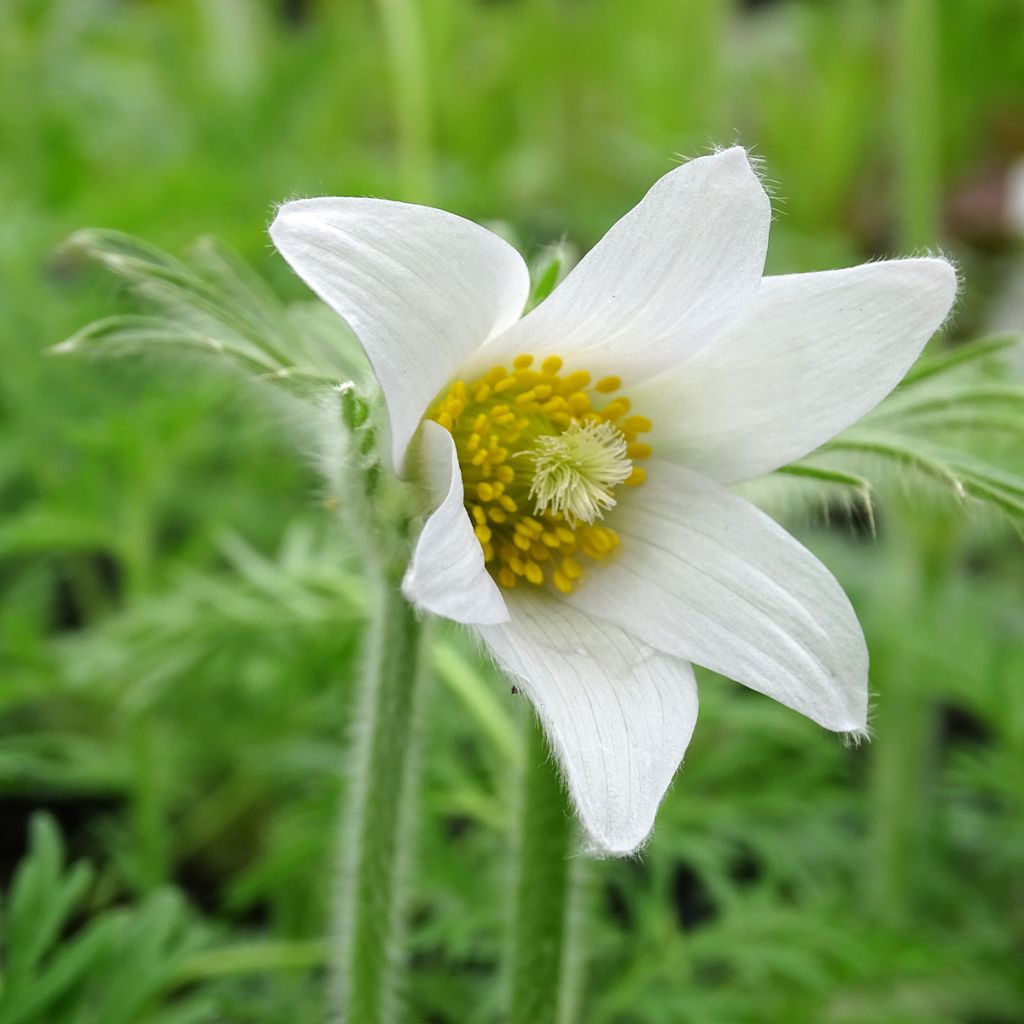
(403, 37)
(252, 958)
(916, 131)
(906, 714)
(543, 963)
(377, 819)
(704, 36)
(148, 812)
(903, 768)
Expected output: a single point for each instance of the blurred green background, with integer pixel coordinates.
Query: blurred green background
(181, 618)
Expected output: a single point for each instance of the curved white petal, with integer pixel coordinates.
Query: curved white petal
(669, 275)
(619, 715)
(705, 576)
(446, 575)
(809, 357)
(421, 289)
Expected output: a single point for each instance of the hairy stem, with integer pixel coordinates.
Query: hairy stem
(543, 973)
(377, 818)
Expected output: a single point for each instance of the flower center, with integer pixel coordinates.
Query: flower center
(575, 473)
(542, 453)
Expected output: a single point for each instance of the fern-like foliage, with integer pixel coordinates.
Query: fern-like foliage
(213, 304)
(55, 971)
(953, 430)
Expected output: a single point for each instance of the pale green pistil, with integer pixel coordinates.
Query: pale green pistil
(576, 472)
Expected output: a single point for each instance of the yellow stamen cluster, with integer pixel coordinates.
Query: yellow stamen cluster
(497, 420)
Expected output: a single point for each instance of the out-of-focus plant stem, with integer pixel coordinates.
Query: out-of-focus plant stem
(544, 957)
(252, 958)
(915, 63)
(906, 718)
(705, 36)
(903, 758)
(402, 24)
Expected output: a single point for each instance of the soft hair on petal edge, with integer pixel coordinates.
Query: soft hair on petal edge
(853, 738)
(586, 847)
(758, 165)
(929, 253)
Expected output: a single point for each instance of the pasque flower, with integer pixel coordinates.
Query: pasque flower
(578, 459)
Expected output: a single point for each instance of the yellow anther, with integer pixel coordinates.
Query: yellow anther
(562, 582)
(613, 410)
(574, 381)
(572, 568)
(500, 421)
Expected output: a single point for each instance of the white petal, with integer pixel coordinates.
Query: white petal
(811, 356)
(703, 575)
(421, 289)
(663, 280)
(446, 575)
(619, 716)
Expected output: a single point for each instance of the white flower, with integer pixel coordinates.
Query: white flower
(594, 581)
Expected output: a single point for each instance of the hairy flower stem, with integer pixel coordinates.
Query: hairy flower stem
(543, 975)
(377, 818)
